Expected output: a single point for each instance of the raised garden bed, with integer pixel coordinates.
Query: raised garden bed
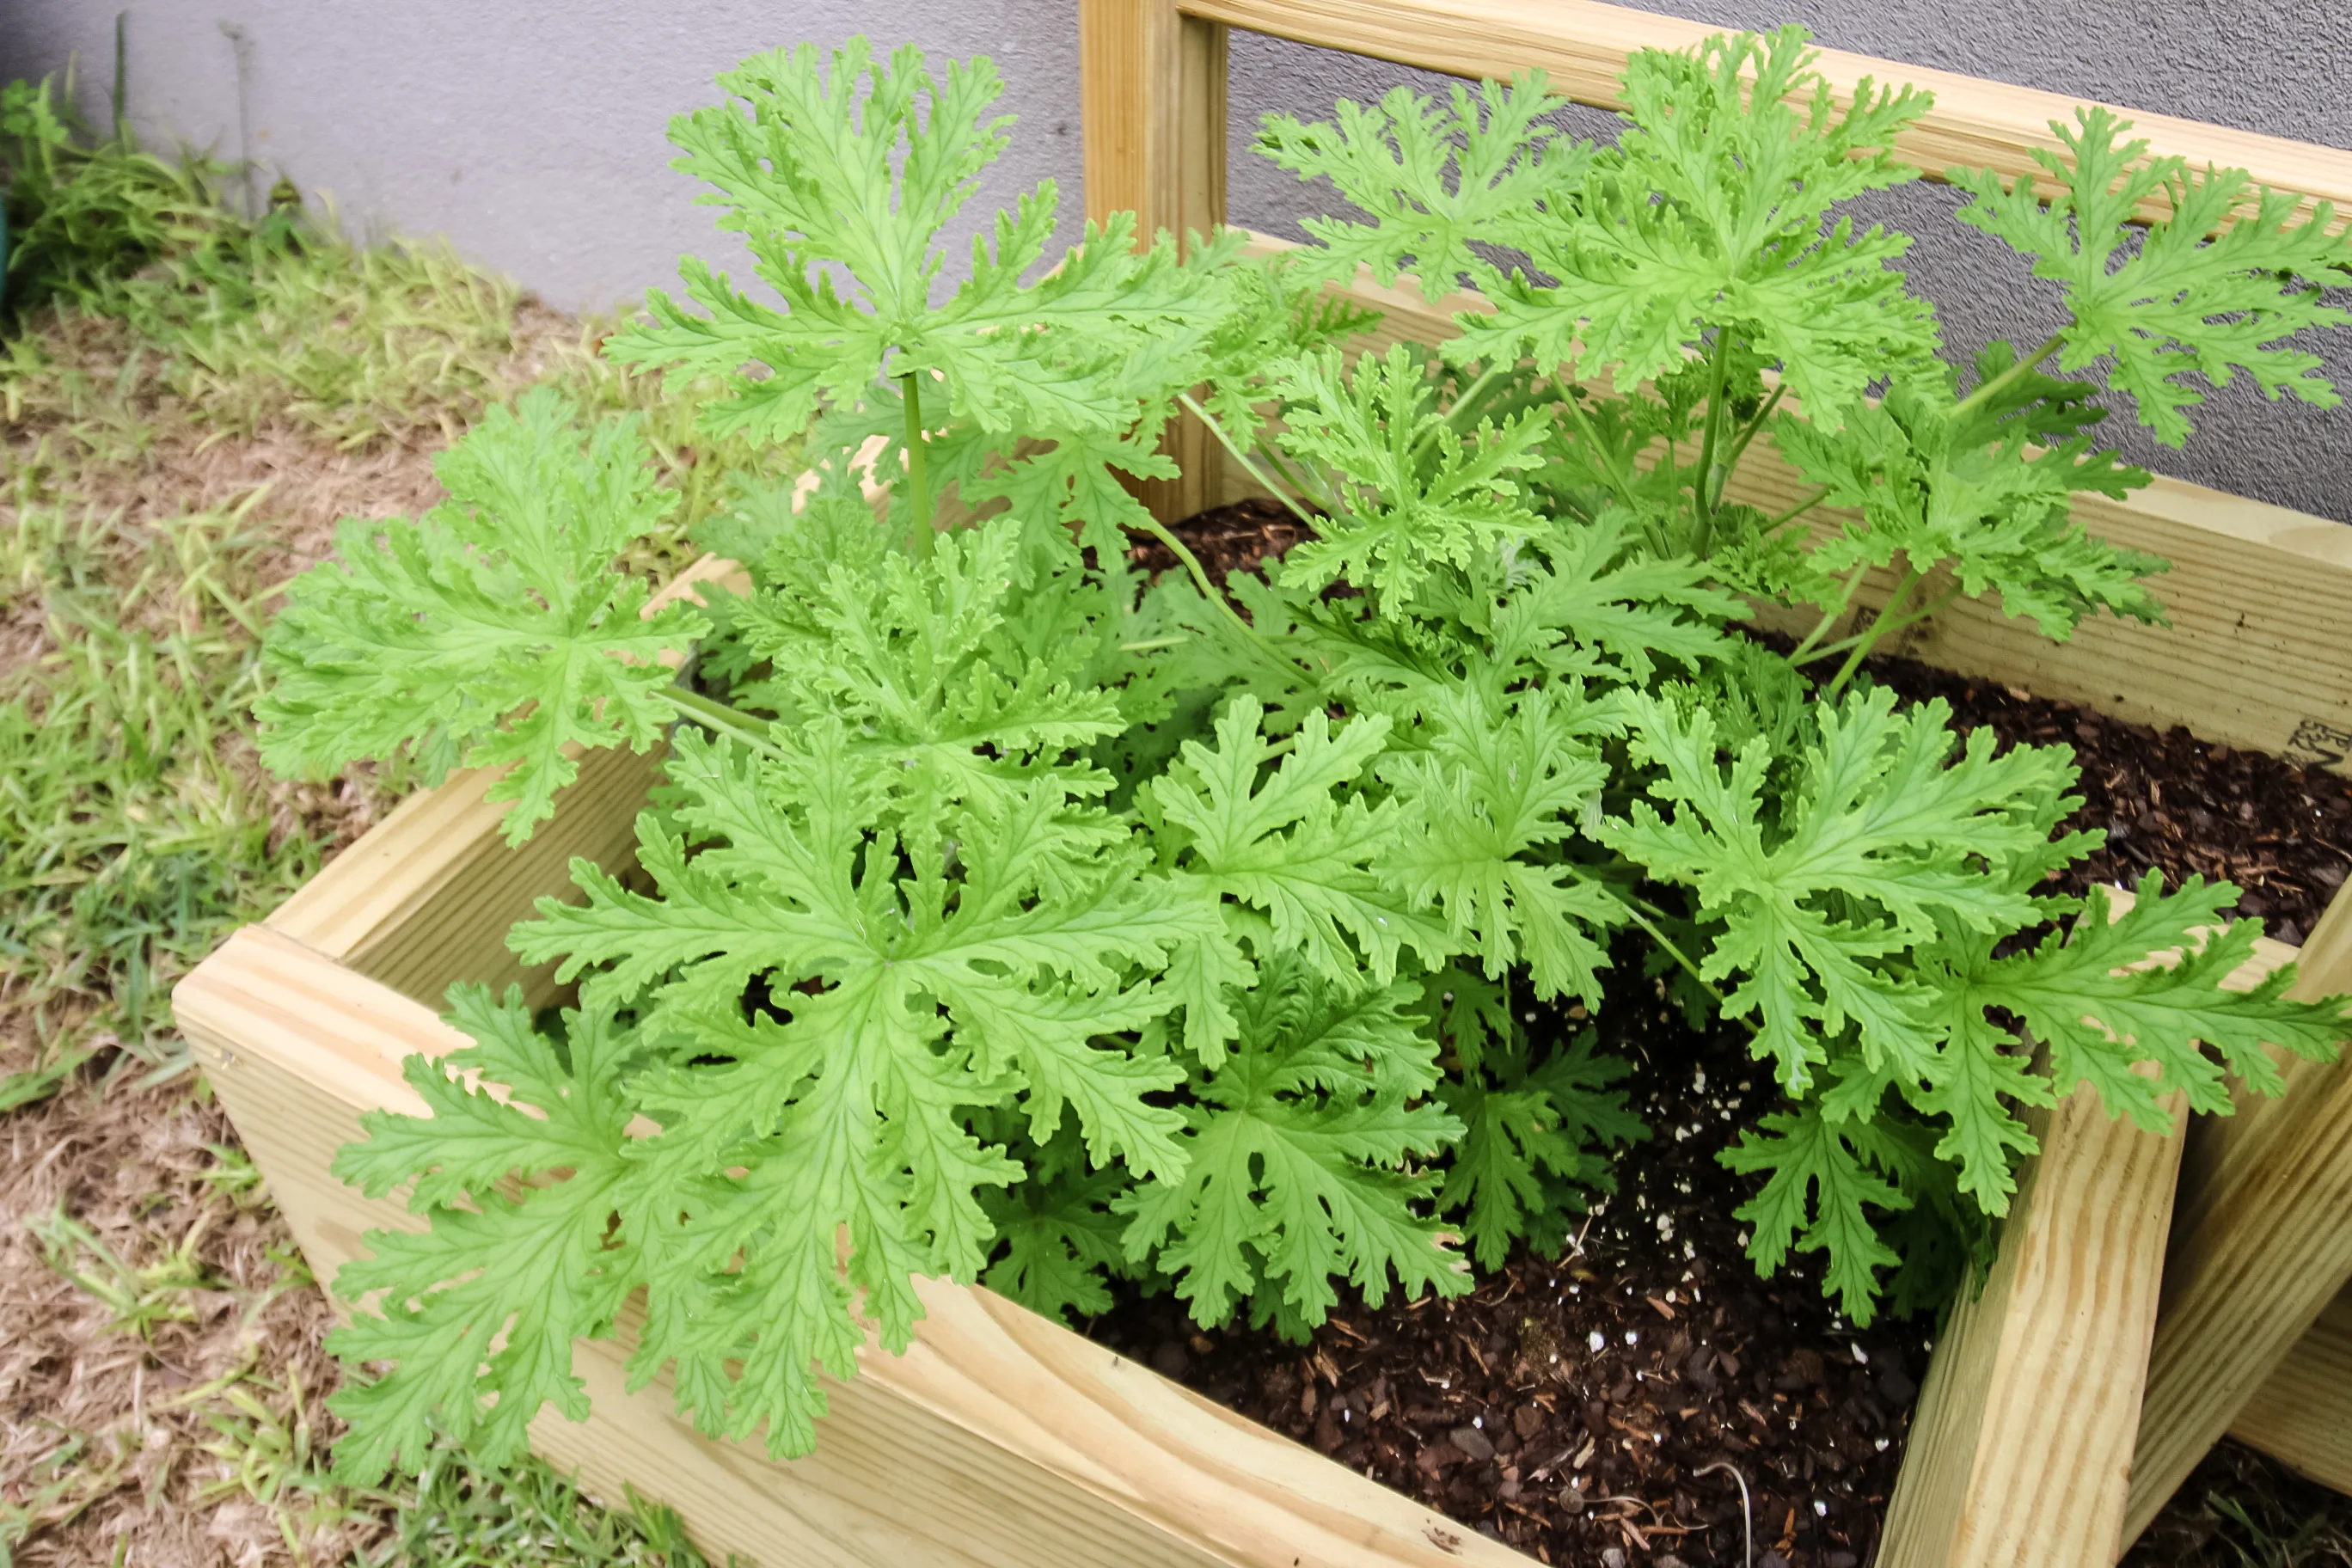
(1001, 1436)
(1001, 1433)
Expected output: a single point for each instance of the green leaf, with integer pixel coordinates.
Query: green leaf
(844, 184)
(1492, 794)
(2212, 289)
(2101, 1007)
(1412, 493)
(1818, 1199)
(493, 631)
(1982, 489)
(1434, 180)
(478, 1312)
(1299, 1150)
(1874, 846)
(1715, 213)
(901, 1010)
(1532, 1142)
(1058, 1232)
(1291, 846)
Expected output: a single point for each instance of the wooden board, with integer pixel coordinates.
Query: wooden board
(1152, 90)
(2259, 650)
(1584, 45)
(1000, 1439)
(2262, 1243)
(2021, 1450)
(2303, 1415)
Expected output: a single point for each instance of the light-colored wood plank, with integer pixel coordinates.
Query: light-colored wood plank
(1152, 112)
(1583, 46)
(2302, 1416)
(2261, 1244)
(1001, 1438)
(426, 897)
(2020, 1451)
(2259, 650)
(2020, 1448)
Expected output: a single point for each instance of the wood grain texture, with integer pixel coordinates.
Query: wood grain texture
(1583, 46)
(2021, 1449)
(2262, 1243)
(1000, 1439)
(426, 897)
(2302, 1415)
(1152, 113)
(2259, 650)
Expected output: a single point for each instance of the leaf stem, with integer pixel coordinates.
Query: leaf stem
(1749, 432)
(1883, 628)
(1210, 591)
(719, 718)
(1467, 402)
(1796, 511)
(1317, 497)
(1607, 458)
(1249, 464)
(2014, 372)
(1833, 613)
(1636, 906)
(1702, 493)
(918, 479)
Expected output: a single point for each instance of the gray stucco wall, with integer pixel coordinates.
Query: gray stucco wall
(530, 135)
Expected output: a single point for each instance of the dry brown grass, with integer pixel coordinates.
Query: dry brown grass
(161, 1362)
(162, 1378)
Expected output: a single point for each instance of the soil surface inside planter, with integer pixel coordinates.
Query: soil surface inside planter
(1611, 1400)
(1606, 1407)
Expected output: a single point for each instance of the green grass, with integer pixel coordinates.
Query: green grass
(148, 330)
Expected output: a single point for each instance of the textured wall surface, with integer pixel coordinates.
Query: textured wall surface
(530, 134)
(2271, 66)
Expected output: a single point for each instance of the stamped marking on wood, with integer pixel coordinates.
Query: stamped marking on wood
(2317, 743)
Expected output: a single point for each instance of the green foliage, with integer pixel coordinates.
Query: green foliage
(1003, 917)
(1710, 213)
(492, 630)
(85, 213)
(1296, 1156)
(2209, 291)
(1483, 169)
(1074, 357)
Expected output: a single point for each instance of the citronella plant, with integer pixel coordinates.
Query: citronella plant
(1004, 917)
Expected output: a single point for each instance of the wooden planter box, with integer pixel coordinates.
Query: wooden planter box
(1003, 1437)
(2062, 1405)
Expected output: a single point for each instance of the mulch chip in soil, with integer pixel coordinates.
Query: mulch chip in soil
(1605, 1407)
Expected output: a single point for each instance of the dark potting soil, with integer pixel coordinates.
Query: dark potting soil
(1645, 1398)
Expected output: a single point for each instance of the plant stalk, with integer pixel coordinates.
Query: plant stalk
(1748, 433)
(1211, 592)
(2014, 372)
(1702, 493)
(1634, 908)
(1879, 630)
(1249, 467)
(1606, 459)
(918, 479)
(1466, 403)
(719, 718)
(1797, 655)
